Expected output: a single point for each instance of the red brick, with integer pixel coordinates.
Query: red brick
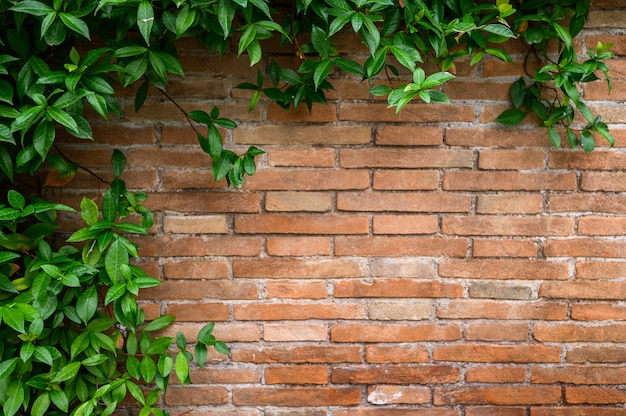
(297, 396)
(184, 246)
(504, 248)
(386, 411)
(598, 312)
(298, 246)
(405, 158)
(583, 290)
(496, 331)
(485, 353)
(394, 332)
(303, 269)
(400, 246)
(395, 374)
(203, 202)
(509, 204)
(397, 288)
(596, 354)
(389, 354)
(281, 311)
(302, 157)
(512, 226)
(608, 204)
(399, 311)
(508, 181)
(403, 180)
(495, 374)
(224, 375)
(402, 267)
(609, 181)
(390, 394)
(318, 114)
(512, 159)
(197, 224)
(403, 202)
(298, 201)
(294, 332)
(497, 309)
(465, 89)
(412, 113)
(192, 290)
(578, 374)
(405, 224)
(298, 354)
(504, 269)
(544, 332)
(298, 224)
(592, 225)
(585, 247)
(501, 395)
(577, 411)
(500, 136)
(298, 134)
(312, 180)
(296, 289)
(300, 374)
(594, 395)
(391, 135)
(196, 395)
(202, 312)
(196, 269)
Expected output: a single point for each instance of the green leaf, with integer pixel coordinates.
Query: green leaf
(67, 372)
(14, 318)
(145, 19)
(563, 34)
(182, 367)
(200, 352)
(118, 161)
(511, 117)
(159, 323)
(60, 400)
(135, 391)
(14, 398)
(221, 347)
(321, 72)
(135, 69)
(437, 79)
(32, 7)
(130, 51)
(89, 211)
(518, 93)
(184, 20)
(41, 404)
(159, 346)
(225, 15)
(148, 369)
(587, 141)
(86, 304)
(554, 137)
(7, 367)
(499, 30)
(115, 258)
(62, 118)
(76, 24)
(16, 200)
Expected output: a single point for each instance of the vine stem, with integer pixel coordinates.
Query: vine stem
(89, 171)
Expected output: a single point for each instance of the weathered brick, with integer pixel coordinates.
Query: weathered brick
(600, 160)
(387, 411)
(405, 224)
(609, 181)
(504, 269)
(501, 136)
(298, 246)
(313, 180)
(504, 248)
(297, 396)
(302, 157)
(465, 89)
(501, 395)
(296, 289)
(412, 113)
(405, 158)
(298, 354)
(302, 269)
(281, 311)
(396, 288)
(577, 411)
(508, 181)
(513, 226)
(399, 311)
(394, 332)
(583, 290)
(598, 312)
(380, 354)
(497, 331)
(496, 309)
(594, 395)
(197, 224)
(608, 204)
(196, 395)
(298, 201)
(544, 332)
(596, 354)
(496, 290)
(403, 180)
(403, 202)
(297, 134)
(495, 374)
(395, 374)
(402, 267)
(185, 246)
(196, 269)
(484, 353)
(318, 114)
(294, 332)
(585, 247)
(390, 394)
(225, 375)
(203, 202)
(202, 312)
(195, 290)
(509, 204)
(391, 135)
(300, 374)
(298, 224)
(512, 159)
(400, 246)
(578, 374)
(592, 225)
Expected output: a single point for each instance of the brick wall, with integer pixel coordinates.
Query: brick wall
(430, 264)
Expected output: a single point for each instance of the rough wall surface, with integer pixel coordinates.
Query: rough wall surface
(430, 264)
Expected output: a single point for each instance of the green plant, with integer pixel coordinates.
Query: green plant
(75, 340)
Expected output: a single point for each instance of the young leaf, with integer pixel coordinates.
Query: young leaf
(511, 117)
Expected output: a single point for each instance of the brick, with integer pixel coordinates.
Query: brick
(598, 312)
(498, 68)
(403, 202)
(196, 269)
(297, 396)
(504, 248)
(608, 204)
(203, 202)
(578, 374)
(186, 246)
(618, 41)
(495, 309)
(399, 267)
(512, 159)
(394, 332)
(601, 18)
(544, 332)
(399, 311)
(399, 246)
(298, 354)
(177, 135)
(602, 160)
(192, 290)
(501, 395)
(405, 224)
(197, 224)
(165, 111)
(220, 65)
(504, 269)
(611, 113)
(496, 331)
(489, 137)
(609, 181)
(281, 311)
(385, 411)
(298, 246)
(403, 180)
(508, 181)
(389, 354)
(298, 224)
(294, 332)
(188, 179)
(512, 226)
(412, 113)
(303, 269)
(465, 89)
(298, 201)
(490, 112)
(585, 247)
(396, 288)
(583, 290)
(484, 353)
(496, 290)
(296, 290)
(592, 225)
(389, 394)
(395, 374)
(224, 375)
(200, 312)
(391, 135)
(319, 114)
(596, 354)
(577, 411)
(296, 374)
(405, 158)
(351, 89)
(509, 204)
(599, 91)
(298, 134)
(495, 374)
(302, 157)
(594, 395)
(309, 180)
(196, 395)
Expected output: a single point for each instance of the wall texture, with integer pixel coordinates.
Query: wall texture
(432, 263)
